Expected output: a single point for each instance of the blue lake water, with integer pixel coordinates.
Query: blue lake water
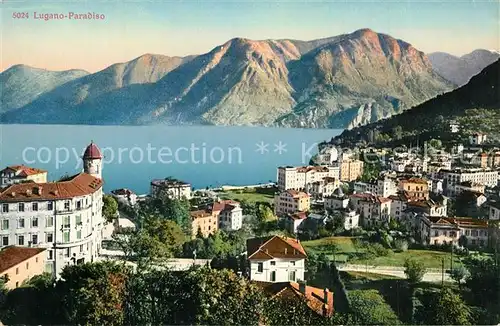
(133, 155)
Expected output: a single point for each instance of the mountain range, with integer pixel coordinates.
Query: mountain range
(459, 70)
(337, 82)
(474, 107)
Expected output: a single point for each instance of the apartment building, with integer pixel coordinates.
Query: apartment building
(322, 188)
(439, 230)
(19, 264)
(291, 201)
(374, 210)
(453, 178)
(382, 186)
(230, 214)
(351, 170)
(205, 222)
(415, 187)
(297, 178)
(171, 188)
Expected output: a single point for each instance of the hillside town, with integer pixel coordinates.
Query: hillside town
(406, 204)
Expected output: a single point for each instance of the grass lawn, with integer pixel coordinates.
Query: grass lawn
(430, 259)
(345, 246)
(250, 195)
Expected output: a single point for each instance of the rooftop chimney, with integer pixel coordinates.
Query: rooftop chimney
(302, 287)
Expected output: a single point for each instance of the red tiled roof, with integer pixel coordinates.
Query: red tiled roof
(200, 214)
(366, 196)
(92, 152)
(12, 256)
(24, 170)
(298, 215)
(297, 194)
(78, 185)
(275, 247)
(414, 180)
(223, 205)
(312, 168)
(291, 290)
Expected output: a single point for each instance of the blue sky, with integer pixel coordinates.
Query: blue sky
(132, 28)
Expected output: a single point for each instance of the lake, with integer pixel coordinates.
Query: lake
(133, 155)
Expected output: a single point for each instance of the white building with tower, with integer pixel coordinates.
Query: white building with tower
(64, 217)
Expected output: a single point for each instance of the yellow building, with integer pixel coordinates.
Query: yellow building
(351, 170)
(291, 201)
(18, 264)
(415, 187)
(205, 221)
(21, 173)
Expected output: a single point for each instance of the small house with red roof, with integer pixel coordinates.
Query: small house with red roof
(18, 264)
(21, 173)
(230, 214)
(276, 259)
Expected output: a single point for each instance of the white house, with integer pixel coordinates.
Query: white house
(276, 259)
(171, 188)
(336, 201)
(125, 196)
(297, 178)
(293, 221)
(230, 214)
(477, 138)
(374, 210)
(65, 217)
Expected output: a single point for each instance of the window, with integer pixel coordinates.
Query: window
(292, 263)
(66, 222)
(20, 223)
(34, 222)
(78, 234)
(5, 224)
(79, 204)
(36, 259)
(273, 276)
(81, 248)
(34, 207)
(49, 237)
(273, 263)
(49, 221)
(436, 233)
(20, 240)
(5, 208)
(50, 254)
(21, 207)
(27, 265)
(17, 270)
(291, 276)
(260, 267)
(50, 206)
(66, 205)
(67, 252)
(34, 239)
(5, 241)
(78, 220)
(66, 236)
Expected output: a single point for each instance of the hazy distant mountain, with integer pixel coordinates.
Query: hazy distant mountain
(341, 81)
(459, 70)
(22, 84)
(475, 106)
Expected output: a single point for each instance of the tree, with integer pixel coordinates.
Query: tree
(199, 296)
(368, 307)
(462, 241)
(414, 271)
(458, 274)
(93, 293)
(264, 213)
(397, 132)
(444, 308)
(109, 208)
(401, 245)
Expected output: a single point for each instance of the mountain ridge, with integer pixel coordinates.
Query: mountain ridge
(340, 81)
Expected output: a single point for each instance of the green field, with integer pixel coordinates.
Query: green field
(250, 195)
(430, 259)
(345, 247)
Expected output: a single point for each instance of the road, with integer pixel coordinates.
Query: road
(431, 276)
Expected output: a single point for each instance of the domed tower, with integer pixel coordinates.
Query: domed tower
(92, 161)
